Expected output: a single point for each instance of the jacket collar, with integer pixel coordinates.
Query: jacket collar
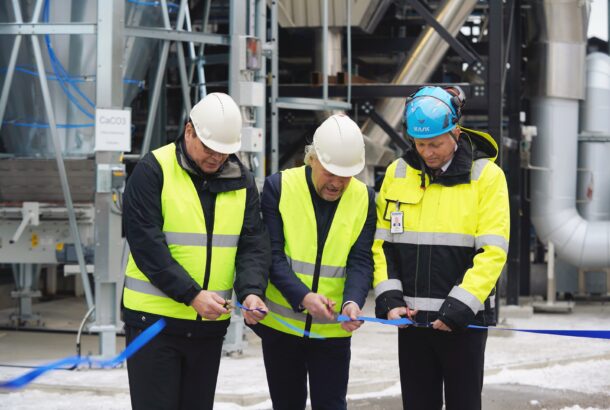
(460, 167)
(230, 176)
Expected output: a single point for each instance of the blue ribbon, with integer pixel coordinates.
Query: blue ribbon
(592, 334)
(282, 321)
(73, 361)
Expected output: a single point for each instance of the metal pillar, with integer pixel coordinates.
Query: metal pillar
(237, 28)
(518, 261)
(275, 152)
(108, 245)
(495, 73)
(260, 31)
(26, 281)
(551, 304)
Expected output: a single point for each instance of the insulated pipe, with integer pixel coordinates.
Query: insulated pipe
(423, 59)
(579, 242)
(594, 141)
(553, 191)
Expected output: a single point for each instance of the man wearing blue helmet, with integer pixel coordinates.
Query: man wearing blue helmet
(441, 242)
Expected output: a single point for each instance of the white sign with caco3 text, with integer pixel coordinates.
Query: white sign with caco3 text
(112, 130)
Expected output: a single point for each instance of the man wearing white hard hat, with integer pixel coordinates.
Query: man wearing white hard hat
(191, 216)
(321, 222)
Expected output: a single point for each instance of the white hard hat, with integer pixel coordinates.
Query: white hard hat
(339, 146)
(217, 122)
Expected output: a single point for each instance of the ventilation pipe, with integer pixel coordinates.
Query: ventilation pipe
(423, 60)
(594, 141)
(560, 74)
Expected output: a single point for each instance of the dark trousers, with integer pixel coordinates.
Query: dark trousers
(429, 358)
(290, 359)
(173, 372)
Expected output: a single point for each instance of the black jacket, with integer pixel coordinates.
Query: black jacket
(143, 226)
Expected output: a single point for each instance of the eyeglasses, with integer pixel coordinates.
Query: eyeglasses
(208, 151)
(211, 152)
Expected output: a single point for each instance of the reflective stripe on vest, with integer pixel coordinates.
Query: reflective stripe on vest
(301, 248)
(148, 288)
(200, 239)
(309, 269)
(186, 236)
(288, 313)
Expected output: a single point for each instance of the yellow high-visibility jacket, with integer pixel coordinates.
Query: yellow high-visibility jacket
(454, 245)
(185, 233)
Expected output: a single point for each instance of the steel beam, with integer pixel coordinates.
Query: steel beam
(455, 44)
(46, 28)
(172, 35)
(8, 80)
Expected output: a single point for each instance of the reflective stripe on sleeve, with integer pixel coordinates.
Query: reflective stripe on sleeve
(477, 168)
(401, 169)
(386, 285)
(493, 240)
(434, 304)
(467, 298)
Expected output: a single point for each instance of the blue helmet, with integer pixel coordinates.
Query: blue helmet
(432, 111)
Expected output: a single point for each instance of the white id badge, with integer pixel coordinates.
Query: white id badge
(396, 225)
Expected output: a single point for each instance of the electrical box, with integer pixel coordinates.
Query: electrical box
(250, 53)
(111, 177)
(252, 139)
(250, 94)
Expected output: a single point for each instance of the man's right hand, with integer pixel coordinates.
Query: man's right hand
(319, 306)
(400, 312)
(209, 305)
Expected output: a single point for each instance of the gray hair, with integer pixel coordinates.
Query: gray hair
(310, 154)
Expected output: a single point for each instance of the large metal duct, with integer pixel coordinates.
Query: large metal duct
(423, 59)
(594, 141)
(71, 74)
(560, 75)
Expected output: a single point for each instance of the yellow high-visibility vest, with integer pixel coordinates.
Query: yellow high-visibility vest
(301, 248)
(185, 232)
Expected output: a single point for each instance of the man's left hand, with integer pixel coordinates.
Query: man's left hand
(439, 325)
(252, 317)
(352, 311)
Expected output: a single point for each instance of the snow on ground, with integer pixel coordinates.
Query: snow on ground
(589, 376)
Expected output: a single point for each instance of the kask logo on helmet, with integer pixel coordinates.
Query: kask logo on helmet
(421, 129)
